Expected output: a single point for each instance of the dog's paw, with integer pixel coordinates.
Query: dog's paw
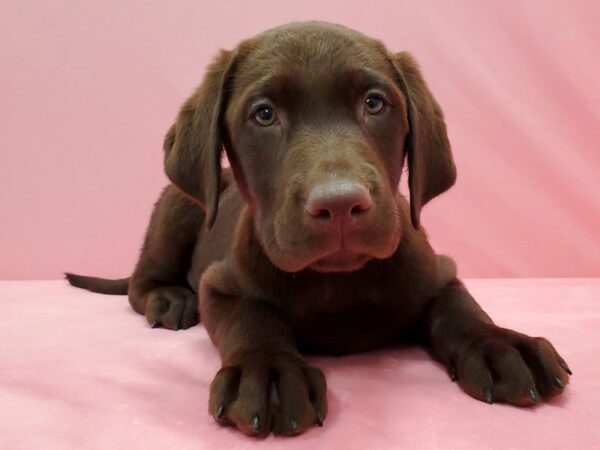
(510, 367)
(262, 392)
(172, 307)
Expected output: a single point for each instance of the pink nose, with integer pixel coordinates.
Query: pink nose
(339, 204)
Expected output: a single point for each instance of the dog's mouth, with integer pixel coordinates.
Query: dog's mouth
(341, 261)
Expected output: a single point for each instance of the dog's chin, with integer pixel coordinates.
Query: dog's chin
(340, 261)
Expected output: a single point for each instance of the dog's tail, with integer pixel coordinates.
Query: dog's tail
(99, 285)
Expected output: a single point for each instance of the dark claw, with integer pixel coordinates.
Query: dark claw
(319, 419)
(453, 375)
(533, 395)
(176, 327)
(558, 382)
(564, 366)
(256, 424)
(294, 425)
(154, 324)
(487, 395)
(220, 411)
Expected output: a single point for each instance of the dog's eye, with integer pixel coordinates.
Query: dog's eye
(265, 116)
(374, 104)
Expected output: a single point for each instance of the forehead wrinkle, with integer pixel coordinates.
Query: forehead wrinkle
(367, 78)
(273, 87)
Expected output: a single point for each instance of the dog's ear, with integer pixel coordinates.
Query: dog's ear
(431, 169)
(194, 144)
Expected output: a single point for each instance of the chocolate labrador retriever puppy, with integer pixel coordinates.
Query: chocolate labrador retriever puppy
(313, 248)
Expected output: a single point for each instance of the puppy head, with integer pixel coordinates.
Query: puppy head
(316, 121)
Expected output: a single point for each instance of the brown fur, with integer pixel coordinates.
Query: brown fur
(271, 283)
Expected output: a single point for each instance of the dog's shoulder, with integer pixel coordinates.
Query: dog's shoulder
(416, 263)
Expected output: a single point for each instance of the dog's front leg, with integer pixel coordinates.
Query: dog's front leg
(157, 288)
(489, 362)
(264, 383)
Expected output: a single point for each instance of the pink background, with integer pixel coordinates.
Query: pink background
(88, 89)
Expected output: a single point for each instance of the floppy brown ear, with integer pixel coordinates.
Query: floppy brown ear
(431, 169)
(193, 145)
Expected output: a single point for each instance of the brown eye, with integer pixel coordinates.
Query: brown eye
(374, 104)
(265, 116)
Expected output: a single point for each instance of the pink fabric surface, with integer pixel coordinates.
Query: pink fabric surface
(81, 370)
(89, 89)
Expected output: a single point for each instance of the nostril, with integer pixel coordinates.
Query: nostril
(318, 210)
(358, 210)
(323, 214)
